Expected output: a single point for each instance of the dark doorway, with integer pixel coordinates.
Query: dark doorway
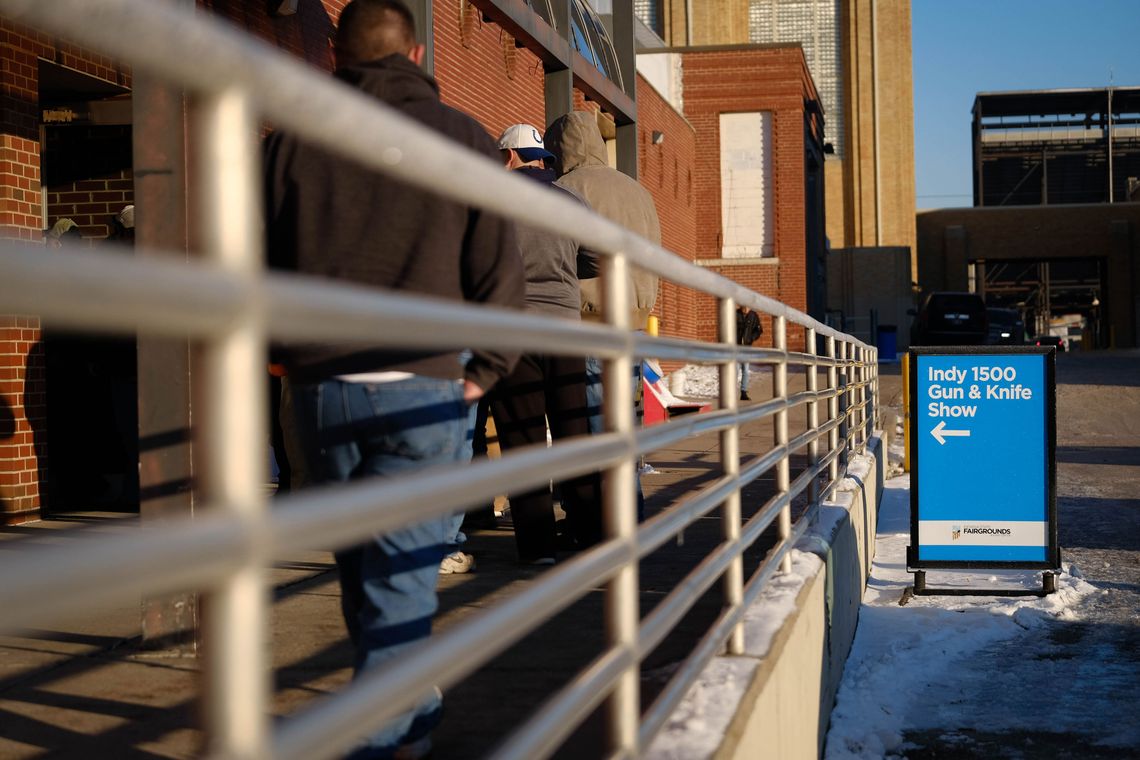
(1060, 297)
(92, 381)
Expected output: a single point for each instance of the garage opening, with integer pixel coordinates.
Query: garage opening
(1054, 297)
(92, 382)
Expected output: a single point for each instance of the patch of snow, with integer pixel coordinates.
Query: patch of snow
(920, 666)
(702, 381)
(776, 603)
(697, 725)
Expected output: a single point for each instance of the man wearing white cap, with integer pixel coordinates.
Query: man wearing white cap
(123, 225)
(544, 388)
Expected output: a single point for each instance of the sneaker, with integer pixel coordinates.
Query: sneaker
(457, 562)
(541, 562)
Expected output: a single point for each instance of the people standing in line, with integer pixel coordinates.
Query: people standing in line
(748, 329)
(65, 233)
(544, 388)
(373, 412)
(581, 162)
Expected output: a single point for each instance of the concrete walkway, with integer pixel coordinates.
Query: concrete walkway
(85, 688)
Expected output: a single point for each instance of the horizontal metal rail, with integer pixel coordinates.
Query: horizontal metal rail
(232, 309)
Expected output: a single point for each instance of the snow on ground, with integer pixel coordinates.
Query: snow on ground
(703, 380)
(950, 662)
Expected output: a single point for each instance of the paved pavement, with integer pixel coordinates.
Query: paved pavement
(85, 688)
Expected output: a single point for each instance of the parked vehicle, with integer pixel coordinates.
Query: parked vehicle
(1006, 327)
(1050, 340)
(950, 319)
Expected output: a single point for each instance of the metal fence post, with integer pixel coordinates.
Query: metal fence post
(733, 581)
(865, 395)
(844, 406)
(783, 468)
(832, 411)
(860, 397)
(813, 416)
(875, 390)
(622, 611)
(232, 432)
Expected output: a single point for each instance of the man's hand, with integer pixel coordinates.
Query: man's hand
(471, 392)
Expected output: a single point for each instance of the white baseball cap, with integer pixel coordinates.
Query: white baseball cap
(524, 140)
(126, 217)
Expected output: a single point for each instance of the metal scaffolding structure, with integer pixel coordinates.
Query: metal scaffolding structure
(1055, 146)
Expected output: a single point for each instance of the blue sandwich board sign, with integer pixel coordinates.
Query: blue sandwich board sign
(983, 438)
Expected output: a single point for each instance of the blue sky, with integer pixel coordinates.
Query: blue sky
(963, 47)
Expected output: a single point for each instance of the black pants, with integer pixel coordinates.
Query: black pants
(547, 389)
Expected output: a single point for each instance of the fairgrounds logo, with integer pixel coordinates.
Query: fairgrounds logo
(956, 531)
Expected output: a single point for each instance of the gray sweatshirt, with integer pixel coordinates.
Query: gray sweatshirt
(553, 264)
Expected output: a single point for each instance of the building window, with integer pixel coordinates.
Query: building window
(746, 198)
(542, 8)
(651, 14)
(593, 41)
(815, 25)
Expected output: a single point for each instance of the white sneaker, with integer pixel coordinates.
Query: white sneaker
(457, 562)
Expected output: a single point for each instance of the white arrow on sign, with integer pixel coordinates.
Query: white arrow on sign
(940, 433)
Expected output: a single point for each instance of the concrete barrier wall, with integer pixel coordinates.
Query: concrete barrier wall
(775, 700)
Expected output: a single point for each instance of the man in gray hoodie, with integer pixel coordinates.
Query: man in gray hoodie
(580, 160)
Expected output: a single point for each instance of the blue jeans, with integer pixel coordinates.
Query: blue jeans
(596, 421)
(352, 431)
(745, 371)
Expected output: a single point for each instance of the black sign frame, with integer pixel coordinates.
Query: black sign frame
(1053, 551)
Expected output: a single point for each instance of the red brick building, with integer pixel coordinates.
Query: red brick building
(759, 136)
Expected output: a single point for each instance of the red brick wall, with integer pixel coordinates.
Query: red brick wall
(740, 80)
(481, 72)
(19, 188)
(23, 458)
(666, 171)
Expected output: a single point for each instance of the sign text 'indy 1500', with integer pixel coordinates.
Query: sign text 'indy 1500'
(983, 422)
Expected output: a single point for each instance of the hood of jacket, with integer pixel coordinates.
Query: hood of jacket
(576, 141)
(393, 79)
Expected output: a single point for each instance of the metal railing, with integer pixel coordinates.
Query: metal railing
(231, 308)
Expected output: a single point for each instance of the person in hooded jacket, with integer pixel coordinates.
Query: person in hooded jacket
(580, 160)
(377, 412)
